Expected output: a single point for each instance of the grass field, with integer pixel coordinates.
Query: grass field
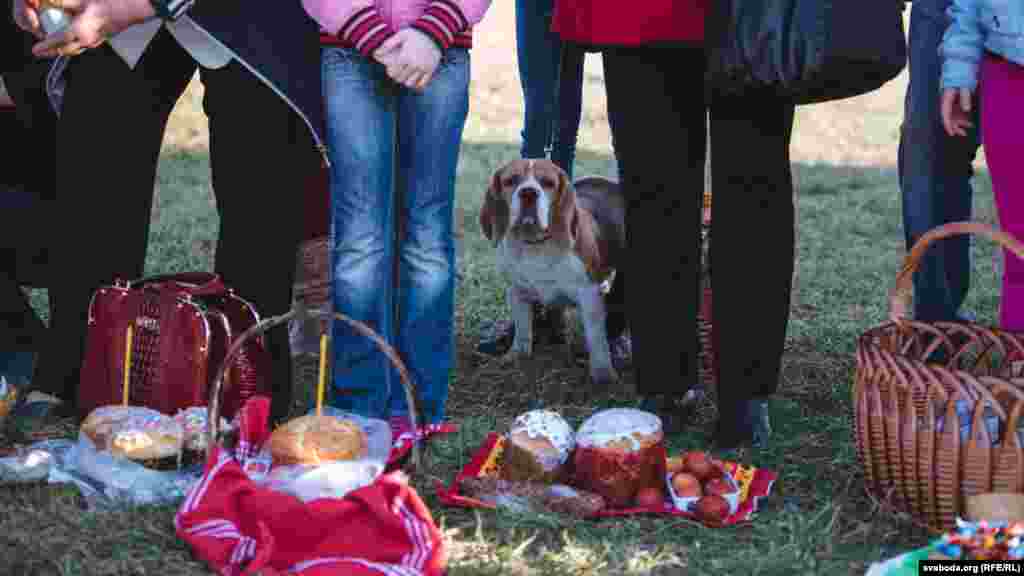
(818, 521)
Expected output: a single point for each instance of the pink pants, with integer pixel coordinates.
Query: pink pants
(1002, 133)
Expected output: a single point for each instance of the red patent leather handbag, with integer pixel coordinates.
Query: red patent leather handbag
(181, 326)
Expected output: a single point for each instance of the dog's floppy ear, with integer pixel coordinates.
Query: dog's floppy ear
(565, 223)
(494, 212)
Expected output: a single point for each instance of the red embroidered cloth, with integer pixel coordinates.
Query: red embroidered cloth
(239, 527)
(754, 484)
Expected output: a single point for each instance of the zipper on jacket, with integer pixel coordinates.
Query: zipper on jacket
(320, 146)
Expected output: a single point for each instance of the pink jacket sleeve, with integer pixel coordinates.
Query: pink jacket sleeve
(357, 21)
(444, 19)
(360, 23)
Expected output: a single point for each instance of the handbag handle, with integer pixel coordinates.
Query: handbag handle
(191, 283)
(902, 294)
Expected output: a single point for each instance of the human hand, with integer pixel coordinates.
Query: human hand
(92, 22)
(411, 58)
(955, 114)
(27, 18)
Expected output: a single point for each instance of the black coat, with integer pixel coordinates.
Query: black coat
(278, 41)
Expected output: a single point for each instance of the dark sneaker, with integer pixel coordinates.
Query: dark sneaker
(666, 408)
(754, 429)
(622, 351)
(38, 416)
(762, 423)
(692, 398)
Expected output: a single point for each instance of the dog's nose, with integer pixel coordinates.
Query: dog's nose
(528, 196)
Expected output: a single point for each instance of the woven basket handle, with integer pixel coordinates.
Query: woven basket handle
(903, 292)
(213, 410)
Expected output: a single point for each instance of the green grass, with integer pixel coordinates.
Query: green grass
(818, 520)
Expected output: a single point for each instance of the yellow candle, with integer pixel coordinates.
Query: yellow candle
(127, 362)
(322, 375)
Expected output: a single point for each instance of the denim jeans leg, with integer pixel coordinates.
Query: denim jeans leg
(430, 126)
(934, 172)
(360, 133)
(538, 56)
(569, 109)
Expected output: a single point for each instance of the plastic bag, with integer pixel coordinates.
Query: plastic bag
(108, 480)
(123, 481)
(337, 479)
(134, 426)
(193, 421)
(378, 432)
(34, 463)
(334, 480)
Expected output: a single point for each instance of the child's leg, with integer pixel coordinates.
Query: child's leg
(1003, 137)
(360, 135)
(429, 134)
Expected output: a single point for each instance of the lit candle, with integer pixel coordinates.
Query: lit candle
(322, 375)
(127, 362)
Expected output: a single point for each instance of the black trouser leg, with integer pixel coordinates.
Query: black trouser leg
(261, 154)
(752, 247)
(615, 304)
(660, 135)
(22, 187)
(108, 145)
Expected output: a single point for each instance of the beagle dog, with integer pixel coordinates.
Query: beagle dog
(557, 244)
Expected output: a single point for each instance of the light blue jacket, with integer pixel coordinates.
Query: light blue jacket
(977, 26)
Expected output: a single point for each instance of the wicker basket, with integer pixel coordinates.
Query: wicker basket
(312, 290)
(298, 313)
(937, 405)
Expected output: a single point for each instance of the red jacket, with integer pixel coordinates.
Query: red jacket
(629, 22)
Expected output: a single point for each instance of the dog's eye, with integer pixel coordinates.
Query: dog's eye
(512, 180)
(547, 182)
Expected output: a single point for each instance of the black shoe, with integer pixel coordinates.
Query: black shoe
(547, 327)
(673, 420)
(752, 428)
(622, 351)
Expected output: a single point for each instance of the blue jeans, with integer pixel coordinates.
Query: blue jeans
(551, 117)
(934, 172)
(393, 154)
